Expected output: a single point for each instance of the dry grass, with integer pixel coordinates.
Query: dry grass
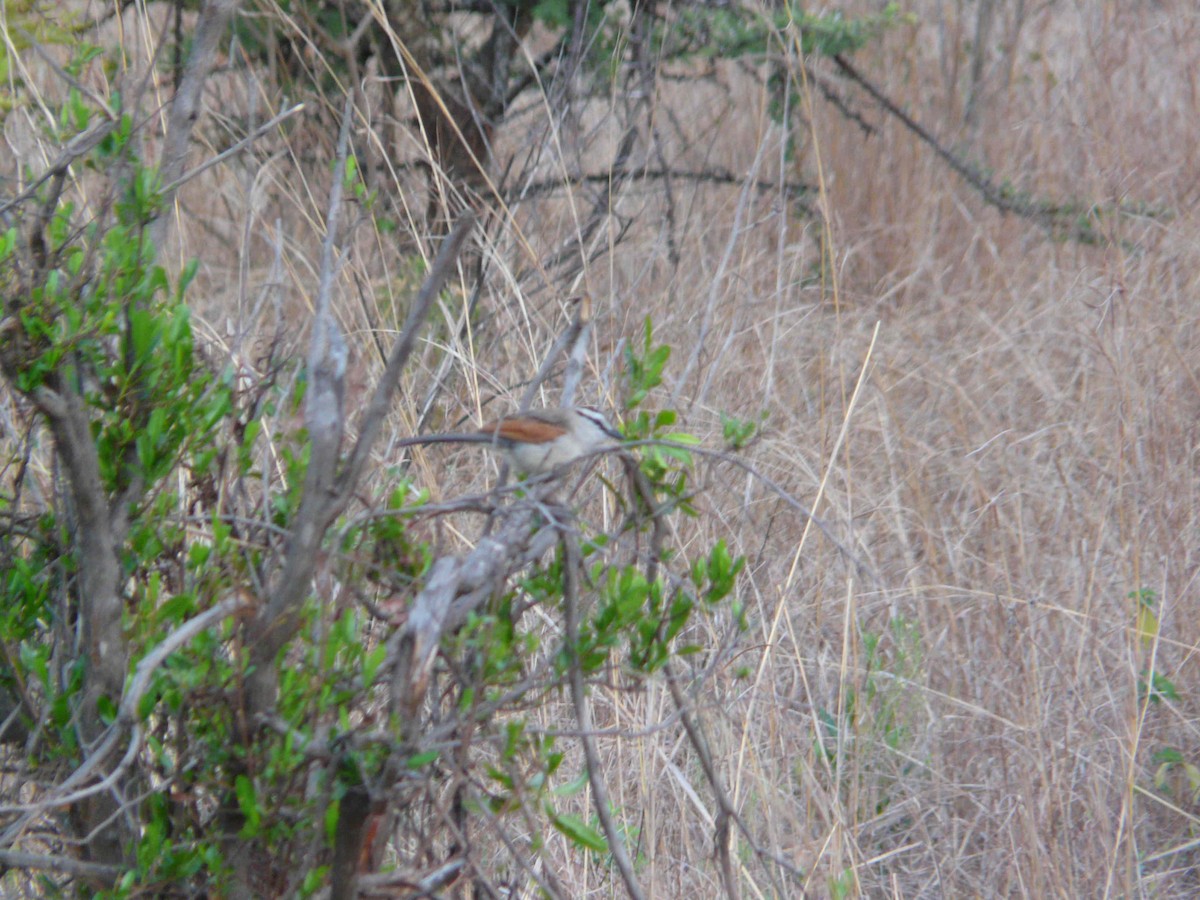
(1021, 454)
(1021, 457)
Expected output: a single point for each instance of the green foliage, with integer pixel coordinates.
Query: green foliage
(1157, 688)
(666, 464)
(738, 433)
(1154, 686)
(879, 710)
(645, 617)
(842, 884)
(735, 31)
(107, 318)
(1176, 775)
(644, 367)
(1145, 618)
(30, 22)
(578, 832)
(91, 316)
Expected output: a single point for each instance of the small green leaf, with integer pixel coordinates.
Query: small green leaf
(579, 832)
(421, 760)
(371, 663)
(332, 813)
(247, 799)
(107, 709)
(571, 788)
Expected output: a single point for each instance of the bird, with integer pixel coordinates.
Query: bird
(543, 440)
(539, 441)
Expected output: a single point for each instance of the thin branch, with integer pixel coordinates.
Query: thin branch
(583, 714)
(78, 146)
(715, 176)
(997, 197)
(68, 865)
(861, 567)
(237, 148)
(716, 281)
(324, 416)
(728, 812)
(575, 338)
(142, 675)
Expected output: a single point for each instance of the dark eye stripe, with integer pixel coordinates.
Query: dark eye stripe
(590, 412)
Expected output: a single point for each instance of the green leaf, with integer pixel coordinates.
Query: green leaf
(107, 709)
(579, 832)
(421, 760)
(332, 813)
(178, 608)
(148, 700)
(371, 663)
(247, 800)
(33, 659)
(571, 788)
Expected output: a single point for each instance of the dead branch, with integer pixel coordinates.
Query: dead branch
(211, 27)
(68, 865)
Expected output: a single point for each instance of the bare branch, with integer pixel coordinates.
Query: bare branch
(215, 16)
(80, 145)
(575, 337)
(583, 714)
(325, 419)
(229, 152)
(734, 460)
(414, 647)
(323, 413)
(16, 859)
(326, 496)
(717, 280)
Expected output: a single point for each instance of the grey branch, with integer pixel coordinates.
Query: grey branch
(16, 859)
(573, 563)
(215, 16)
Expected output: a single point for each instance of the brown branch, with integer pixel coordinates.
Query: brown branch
(572, 564)
(353, 810)
(99, 569)
(715, 176)
(969, 173)
(727, 811)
